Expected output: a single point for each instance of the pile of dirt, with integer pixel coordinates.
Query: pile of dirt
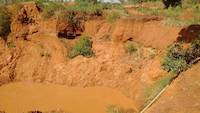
(189, 33)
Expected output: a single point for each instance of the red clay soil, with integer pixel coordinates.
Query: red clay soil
(182, 96)
(146, 30)
(42, 56)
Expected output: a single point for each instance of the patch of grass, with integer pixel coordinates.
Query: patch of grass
(49, 8)
(118, 109)
(5, 22)
(11, 45)
(83, 47)
(113, 16)
(131, 47)
(88, 8)
(140, 1)
(11, 2)
(173, 15)
(152, 91)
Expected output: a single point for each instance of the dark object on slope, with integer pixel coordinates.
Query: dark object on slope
(189, 33)
(5, 22)
(172, 3)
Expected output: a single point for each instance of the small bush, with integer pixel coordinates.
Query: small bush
(88, 8)
(83, 47)
(175, 65)
(178, 59)
(5, 22)
(130, 47)
(175, 60)
(113, 16)
(193, 51)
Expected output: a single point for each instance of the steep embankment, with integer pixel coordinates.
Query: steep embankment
(182, 96)
(36, 54)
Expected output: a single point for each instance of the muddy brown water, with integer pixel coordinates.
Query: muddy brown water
(22, 97)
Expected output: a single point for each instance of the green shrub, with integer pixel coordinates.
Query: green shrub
(178, 59)
(130, 47)
(113, 16)
(5, 22)
(193, 51)
(175, 65)
(49, 8)
(175, 60)
(83, 47)
(87, 8)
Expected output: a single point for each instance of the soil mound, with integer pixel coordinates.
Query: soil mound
(189, 33)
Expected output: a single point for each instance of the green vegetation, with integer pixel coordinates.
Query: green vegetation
(193, 52)
(7, 2)
(140, 1)
(152, 91)
(88, 8)
(175, 16)
(131, 47)
(5, 22)
(179, 59)
(118, 109)
(175, 61)
(83, 47)
(113, 16)
(49, 8)
(11, 45)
